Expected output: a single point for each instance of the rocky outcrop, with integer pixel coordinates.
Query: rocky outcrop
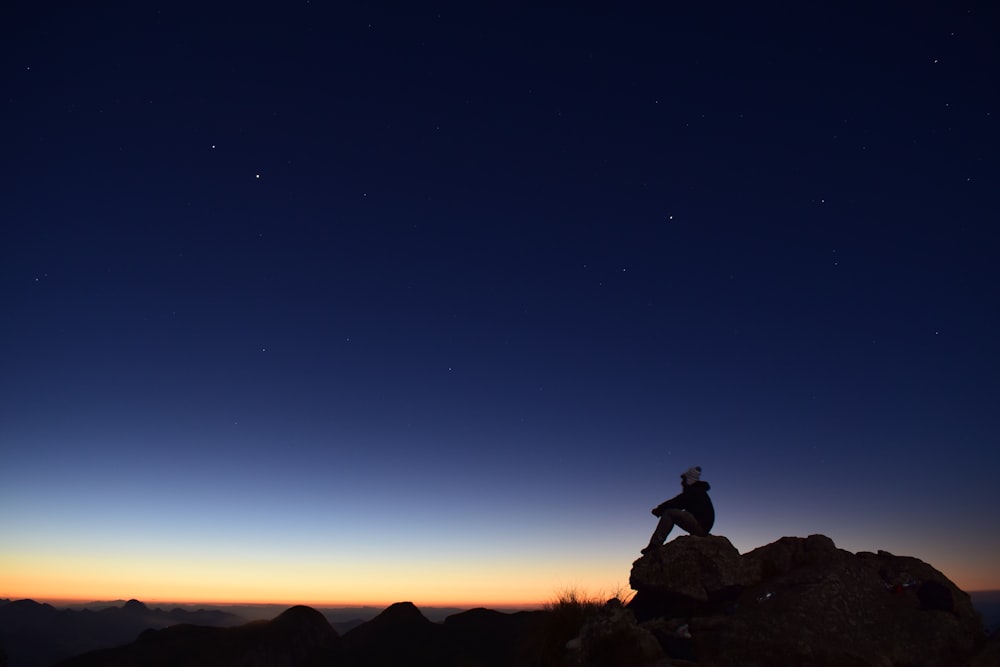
(689, 573)
(802, 601)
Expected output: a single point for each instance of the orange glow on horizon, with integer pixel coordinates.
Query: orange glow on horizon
(153, 597)
(319, 604)
(156, 582)
(497, 583)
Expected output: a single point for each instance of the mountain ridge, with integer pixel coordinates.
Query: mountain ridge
(695, 597)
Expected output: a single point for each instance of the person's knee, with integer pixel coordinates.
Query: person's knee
(688, 522)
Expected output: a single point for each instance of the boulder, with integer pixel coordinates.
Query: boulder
(688, 575)
(790, 553)
(804, 601)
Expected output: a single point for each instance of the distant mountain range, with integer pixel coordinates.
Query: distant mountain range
(133, 634)
(39, 635)
(36, 634)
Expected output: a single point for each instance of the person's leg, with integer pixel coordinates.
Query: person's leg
(682, 518)
(686, 520)
(663, 528)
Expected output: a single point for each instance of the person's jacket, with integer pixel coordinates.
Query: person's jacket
(694, 498)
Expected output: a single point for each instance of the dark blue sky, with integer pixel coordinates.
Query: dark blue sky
(482, 282)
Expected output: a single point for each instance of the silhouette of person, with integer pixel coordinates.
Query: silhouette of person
(691, 509)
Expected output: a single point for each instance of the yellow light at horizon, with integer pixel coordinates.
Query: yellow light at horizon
(510, 580)
(270, 581)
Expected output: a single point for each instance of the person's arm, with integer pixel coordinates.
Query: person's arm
(673, 503)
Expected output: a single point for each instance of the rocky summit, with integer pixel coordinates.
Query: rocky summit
(797, 601)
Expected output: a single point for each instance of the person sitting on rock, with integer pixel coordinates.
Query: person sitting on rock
(691, 509)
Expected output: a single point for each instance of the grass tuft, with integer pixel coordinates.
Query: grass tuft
(567, 613)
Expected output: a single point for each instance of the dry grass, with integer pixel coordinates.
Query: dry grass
(568, 612)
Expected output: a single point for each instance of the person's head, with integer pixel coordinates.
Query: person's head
(690, 476)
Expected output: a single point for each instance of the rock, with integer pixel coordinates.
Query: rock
(804, 601)
(790, 553)
(688, 575)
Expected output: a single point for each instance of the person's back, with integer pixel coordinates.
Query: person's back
(698, 503)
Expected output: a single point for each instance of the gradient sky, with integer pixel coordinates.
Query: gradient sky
(368, 302)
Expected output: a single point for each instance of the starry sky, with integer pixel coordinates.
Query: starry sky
(318, 302)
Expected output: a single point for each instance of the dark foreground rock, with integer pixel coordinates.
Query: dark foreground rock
(690, 576)
(802, 601)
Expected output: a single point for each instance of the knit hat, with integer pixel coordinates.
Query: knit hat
(692, 475)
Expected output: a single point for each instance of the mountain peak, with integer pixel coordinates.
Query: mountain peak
(30, 607)
(135, 606)
(403, 612)
(301, 616)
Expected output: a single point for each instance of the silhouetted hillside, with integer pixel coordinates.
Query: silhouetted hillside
(300, 636)
(400, 635)
(36, 635)
(512, 639)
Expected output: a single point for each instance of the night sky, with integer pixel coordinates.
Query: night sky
(340, 302)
